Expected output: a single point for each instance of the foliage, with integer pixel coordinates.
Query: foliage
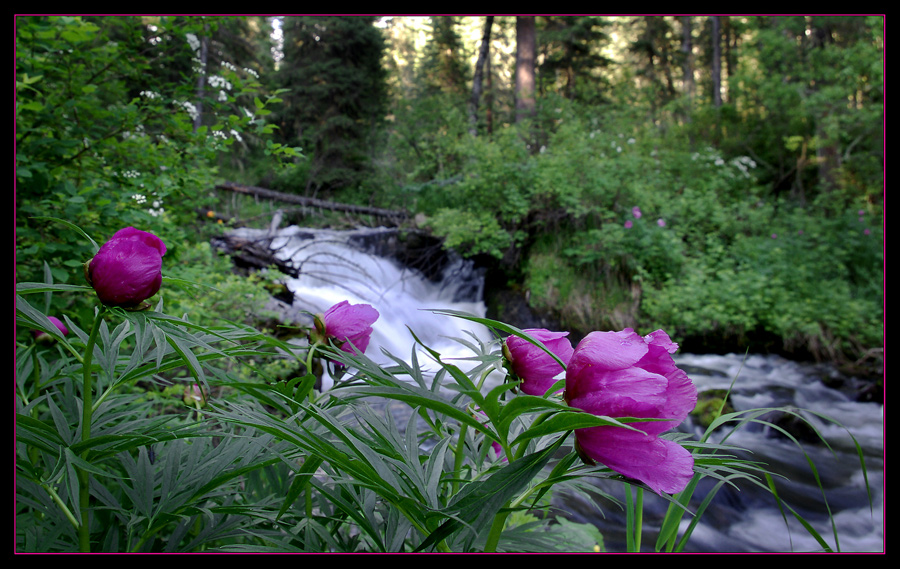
(772, 228)
(103, 464)
(699, 261)
(105, 131)
(336, 97)
(827, 305)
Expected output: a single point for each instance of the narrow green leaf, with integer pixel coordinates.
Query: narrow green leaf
(477, 504)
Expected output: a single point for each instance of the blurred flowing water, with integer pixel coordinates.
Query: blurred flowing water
(347, 265)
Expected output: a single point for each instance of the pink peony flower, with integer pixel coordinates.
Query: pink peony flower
(621, 374)
(535, 367)
(59, 326)
(127, 269)
(661, 222)
(347, 324)
(636, 212)
(628, 224)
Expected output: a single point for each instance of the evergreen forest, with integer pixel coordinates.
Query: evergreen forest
(718, 176)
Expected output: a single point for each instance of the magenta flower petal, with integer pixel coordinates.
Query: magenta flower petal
(59, 325)
(128, 268)
(56, 322)
(535, 367)
(622, 374)
(350, 324)
(663, 465)
(144, 237)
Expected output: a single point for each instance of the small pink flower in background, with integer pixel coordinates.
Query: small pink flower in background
(628, 224)
(127, 269)
(347, 324)
(535, 367)
(661, 222)
(194, 396)
(861, 212)
(621, 374)
(774, 236)
(636, 212)
(866, 231)
(59, 326)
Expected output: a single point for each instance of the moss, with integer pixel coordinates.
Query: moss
(710, 405)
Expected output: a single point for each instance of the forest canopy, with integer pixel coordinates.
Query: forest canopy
(721, 176)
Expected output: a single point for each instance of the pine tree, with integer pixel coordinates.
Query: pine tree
(337, 95)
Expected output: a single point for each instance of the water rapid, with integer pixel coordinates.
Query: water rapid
(350, 265)
(345, 265)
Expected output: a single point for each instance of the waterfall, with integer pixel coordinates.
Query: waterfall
(347, 265)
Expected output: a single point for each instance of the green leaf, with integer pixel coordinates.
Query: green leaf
(476, 505)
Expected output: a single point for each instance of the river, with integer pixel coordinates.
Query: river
(341, 265)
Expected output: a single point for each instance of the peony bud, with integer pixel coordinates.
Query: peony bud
(346, 324)
(536, 368)
(43, 336)
(127, 269)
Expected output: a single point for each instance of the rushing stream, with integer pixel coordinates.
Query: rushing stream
(337, 266)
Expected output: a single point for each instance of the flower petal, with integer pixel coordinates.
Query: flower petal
(663, 465)
(536, 368)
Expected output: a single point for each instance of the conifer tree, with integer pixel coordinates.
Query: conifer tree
(337, 96)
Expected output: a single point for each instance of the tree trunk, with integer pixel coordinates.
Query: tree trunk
(525, 51)
(479, 74)
(687, 47)
(716, 62)
(201, 81)
(313, 203)
(489, 98)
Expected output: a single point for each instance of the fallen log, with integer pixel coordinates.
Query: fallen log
(311, 202)
(251, 255)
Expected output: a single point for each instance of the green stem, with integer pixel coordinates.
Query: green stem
(496, 530)
(458, 459)
(62, 505)
(87, 410)
(634, 519)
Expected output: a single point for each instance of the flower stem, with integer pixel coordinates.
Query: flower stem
(634, 519)
(458, 458)
(87, 416)
(496, 530)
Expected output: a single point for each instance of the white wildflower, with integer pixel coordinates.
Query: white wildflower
(219, 82)
(192, 41)
(189, 108)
